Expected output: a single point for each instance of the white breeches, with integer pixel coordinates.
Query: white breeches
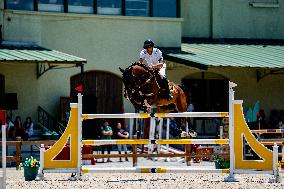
(162, 71)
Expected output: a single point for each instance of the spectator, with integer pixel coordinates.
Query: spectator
(106, 135)
(10, 129)
(29, 126)
(121, 134)
(19, 129)
(261, 119)
(274, 119)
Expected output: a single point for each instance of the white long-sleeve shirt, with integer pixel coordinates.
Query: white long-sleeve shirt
(153, 58)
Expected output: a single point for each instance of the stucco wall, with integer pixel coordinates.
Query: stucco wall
(232, 19)
(107, 42)
(21, 80)
(269, 90)
(196, 15)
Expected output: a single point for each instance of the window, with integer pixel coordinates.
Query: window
(112, 7)
(51, 5)
(155, 8)
(20, 4)
(165, 8)
(137, 7)
(80, 6)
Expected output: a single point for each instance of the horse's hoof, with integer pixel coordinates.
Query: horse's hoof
(192, 134)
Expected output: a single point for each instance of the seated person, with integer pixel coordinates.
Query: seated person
(10, 129)
(28, 126)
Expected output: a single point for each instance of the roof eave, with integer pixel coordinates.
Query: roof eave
(185, 62)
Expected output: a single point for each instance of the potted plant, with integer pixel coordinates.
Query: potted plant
(31, 166)
(220, 162)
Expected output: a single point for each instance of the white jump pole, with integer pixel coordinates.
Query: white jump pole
(131, 122)
(4, 154)
(151, 134)
(168, 137)
(221, 132)
(282, 152)
(275, 161)
(160, 132)
(186, 128)
(168, 133)
(80, 112)
(231, 177)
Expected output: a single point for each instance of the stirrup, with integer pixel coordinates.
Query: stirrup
(170, 96)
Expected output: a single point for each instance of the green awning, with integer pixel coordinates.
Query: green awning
(204, 55)
(46, 59)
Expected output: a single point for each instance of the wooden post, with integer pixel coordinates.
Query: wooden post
(18, 152)
(187, 153)
(134, 151)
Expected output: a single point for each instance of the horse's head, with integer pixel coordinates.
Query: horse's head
(136, 74)
(138, 80)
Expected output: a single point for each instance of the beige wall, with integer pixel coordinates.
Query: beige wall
(231, 19)
(196, 15)
(107, 42)
(22, 80)
(269, 90)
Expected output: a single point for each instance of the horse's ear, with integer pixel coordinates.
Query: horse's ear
(122, 70)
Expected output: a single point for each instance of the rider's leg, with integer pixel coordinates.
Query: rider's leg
(165, 82)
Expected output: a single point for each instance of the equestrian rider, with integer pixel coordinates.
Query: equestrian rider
(154, 58)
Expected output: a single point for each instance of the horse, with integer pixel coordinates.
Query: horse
(143, 89)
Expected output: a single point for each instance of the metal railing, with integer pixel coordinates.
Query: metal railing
(48, 122)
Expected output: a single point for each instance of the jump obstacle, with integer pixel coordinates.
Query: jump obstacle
(238, 130)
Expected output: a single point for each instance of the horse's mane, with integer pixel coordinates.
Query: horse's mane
(127, 74)
(138, 64)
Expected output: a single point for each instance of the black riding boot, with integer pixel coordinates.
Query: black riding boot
(167, 89)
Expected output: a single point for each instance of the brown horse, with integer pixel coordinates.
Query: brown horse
(143, 88)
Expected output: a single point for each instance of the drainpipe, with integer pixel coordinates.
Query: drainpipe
(1, 39)
(2, 7)
(81, 78)
(211, 19)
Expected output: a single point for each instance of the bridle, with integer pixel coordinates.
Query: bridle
(138, 84)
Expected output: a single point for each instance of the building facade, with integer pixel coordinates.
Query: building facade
(110, 34)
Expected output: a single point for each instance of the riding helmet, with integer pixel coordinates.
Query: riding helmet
(148, 43)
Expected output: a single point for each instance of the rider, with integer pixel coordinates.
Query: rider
(154, 58)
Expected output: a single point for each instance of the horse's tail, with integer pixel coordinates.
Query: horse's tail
(186, 92)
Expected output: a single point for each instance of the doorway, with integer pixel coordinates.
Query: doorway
(2, 84)
(208, 95)
(102, 93)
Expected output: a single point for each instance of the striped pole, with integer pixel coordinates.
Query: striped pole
(152, 131)
(146, 141)
(86, 169)
(159, 115)
(262, 131)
